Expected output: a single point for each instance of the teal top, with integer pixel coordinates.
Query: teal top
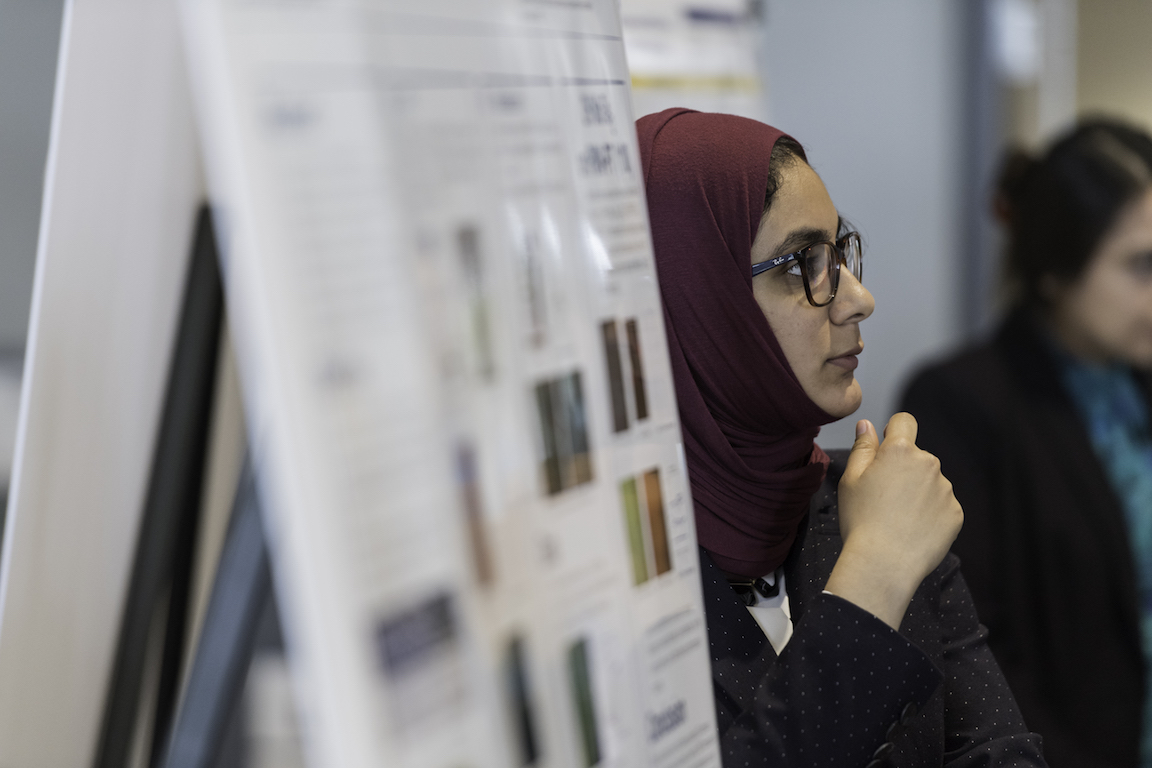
(1115, 412)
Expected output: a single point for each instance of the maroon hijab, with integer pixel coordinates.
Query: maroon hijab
(749, 428)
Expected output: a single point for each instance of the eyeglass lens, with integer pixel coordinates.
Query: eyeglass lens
(822, 268)
(818, 265)
(854, 256)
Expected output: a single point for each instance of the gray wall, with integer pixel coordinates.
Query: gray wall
(29, 40)
(874, 91)
(1115, 60)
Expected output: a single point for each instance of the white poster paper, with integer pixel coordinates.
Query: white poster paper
(452, 349)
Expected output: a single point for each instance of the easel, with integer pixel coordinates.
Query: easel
(188, 732)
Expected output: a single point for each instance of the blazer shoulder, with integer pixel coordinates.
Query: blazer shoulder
(969, 369)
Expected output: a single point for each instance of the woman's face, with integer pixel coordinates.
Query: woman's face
(1106, 314)
(820, 343)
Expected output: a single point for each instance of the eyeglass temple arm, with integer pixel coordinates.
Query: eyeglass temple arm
(764, 266)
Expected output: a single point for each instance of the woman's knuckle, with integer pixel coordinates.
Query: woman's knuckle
(901, 444)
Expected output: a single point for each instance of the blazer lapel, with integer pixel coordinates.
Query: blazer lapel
(818, 544)
(741, 654)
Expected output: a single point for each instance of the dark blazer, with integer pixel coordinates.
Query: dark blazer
(849, 691)
(1044, 544)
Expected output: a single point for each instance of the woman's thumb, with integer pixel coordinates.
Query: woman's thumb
(863, 450)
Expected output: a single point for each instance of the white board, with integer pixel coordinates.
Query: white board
(121, 191)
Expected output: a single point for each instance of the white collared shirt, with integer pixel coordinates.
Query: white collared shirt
(773, 614)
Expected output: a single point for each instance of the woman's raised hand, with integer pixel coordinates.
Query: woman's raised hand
(898, 516)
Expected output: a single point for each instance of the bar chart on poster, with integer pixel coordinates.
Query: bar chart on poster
(444, 304)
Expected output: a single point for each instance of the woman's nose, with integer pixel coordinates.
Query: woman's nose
(853, 301)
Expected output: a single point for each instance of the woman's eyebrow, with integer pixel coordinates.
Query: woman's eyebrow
(800, 238)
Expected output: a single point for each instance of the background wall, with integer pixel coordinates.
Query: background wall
(29, 40)
(1114, 59)
(874, 91)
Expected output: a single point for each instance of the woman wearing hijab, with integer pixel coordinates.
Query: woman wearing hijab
(1046, 431)
(841, 634)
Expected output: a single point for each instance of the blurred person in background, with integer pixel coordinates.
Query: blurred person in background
(1044, 433)
(840, 629)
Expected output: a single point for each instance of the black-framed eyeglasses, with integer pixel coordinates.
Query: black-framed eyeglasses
(819, 266)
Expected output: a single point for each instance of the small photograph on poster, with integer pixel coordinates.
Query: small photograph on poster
(551, 462)
(636, 548)
(532, 262)
(472, 267)
(468, 485)
(419, 651)
(624, 375)
(518, 698)
(647, 530)
(578, 468)
(657, 530)
(567, 455)
(638, 388)
(583, 701)
(608, 334)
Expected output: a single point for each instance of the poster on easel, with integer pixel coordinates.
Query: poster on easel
(449, 334)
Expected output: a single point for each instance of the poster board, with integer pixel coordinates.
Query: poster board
(450, 340)
(450, 343)
(122, 186)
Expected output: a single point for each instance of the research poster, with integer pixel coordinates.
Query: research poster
(441, 284)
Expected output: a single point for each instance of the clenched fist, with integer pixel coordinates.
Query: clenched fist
(898, 516)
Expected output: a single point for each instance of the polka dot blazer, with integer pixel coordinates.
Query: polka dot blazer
(850, 691)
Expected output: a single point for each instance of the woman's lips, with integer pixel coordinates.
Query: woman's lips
(849, 360)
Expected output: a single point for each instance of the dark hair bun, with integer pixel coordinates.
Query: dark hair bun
(1017, 166)
(1060, 206)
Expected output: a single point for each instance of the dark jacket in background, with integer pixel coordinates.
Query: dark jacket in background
(848, 690)
(1044, 546)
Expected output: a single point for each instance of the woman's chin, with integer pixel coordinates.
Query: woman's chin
(842, 402)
